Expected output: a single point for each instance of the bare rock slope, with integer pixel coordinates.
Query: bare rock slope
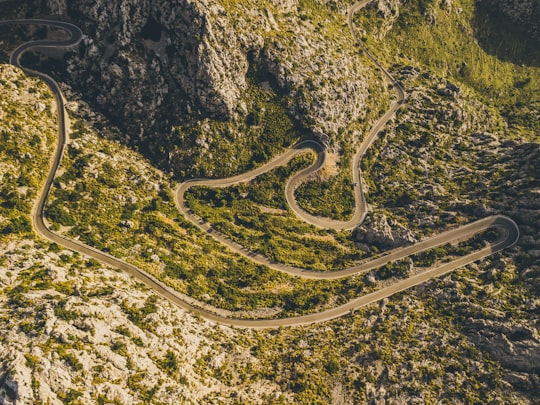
(152, 65)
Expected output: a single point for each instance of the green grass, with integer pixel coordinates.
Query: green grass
(256, 215)
(449, 48)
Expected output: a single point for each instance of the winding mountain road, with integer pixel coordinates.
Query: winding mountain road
(360, 206)
(510, 231)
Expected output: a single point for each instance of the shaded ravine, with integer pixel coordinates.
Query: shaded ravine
(507, 225)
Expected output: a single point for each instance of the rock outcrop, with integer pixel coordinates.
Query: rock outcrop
(385, 234)
(515, 346)
(144, 60)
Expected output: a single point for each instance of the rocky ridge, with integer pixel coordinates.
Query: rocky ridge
(495, 175)
(83, 334)
(150, 66)
(77, 331)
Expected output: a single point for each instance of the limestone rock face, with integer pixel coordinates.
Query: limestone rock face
(152, 66)
(17, 384)
(101, 352)
(142, 59)
(516, 346)
(379, 231)
(388, 10)
(324, 103)
(57, 7)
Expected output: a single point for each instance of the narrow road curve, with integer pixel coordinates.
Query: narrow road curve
(510, 231)
(75, 38)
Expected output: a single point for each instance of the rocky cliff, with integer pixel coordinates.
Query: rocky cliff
(150, 66)
(144, 61)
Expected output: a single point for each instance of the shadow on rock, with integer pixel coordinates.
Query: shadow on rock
(509, 29)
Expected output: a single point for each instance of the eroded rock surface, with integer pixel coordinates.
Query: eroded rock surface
(386, 234)
(153, 65)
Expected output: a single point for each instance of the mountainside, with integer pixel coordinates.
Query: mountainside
(153, 66)
(165, 90)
